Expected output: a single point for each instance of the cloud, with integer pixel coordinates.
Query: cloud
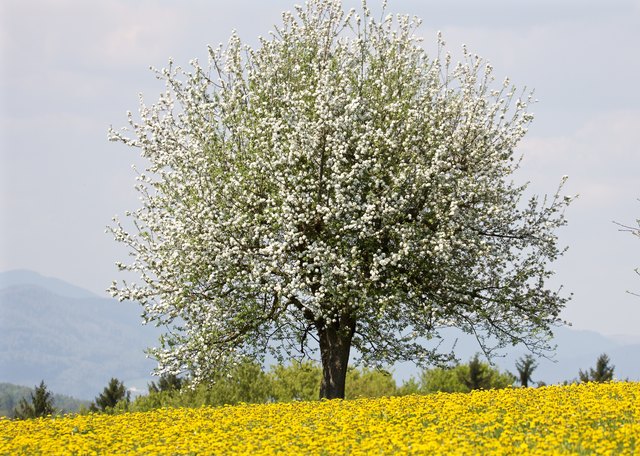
(601, 158)
(575, 64)
(502, 14)
(81, 34)
(141, 30)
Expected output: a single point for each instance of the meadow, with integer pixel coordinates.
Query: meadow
(586, 418)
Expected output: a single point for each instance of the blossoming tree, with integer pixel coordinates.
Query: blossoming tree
(335, 188)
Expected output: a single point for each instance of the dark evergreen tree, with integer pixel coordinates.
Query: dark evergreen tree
(525, 367)
(41, 404)
(602, 373)
(477, 376)
(170, 382)
(113, 393)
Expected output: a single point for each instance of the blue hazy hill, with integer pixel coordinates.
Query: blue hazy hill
(70, 338)
(19, 277)
(76, 341)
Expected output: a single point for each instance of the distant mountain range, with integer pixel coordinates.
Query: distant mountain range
(70, 338)
(23, 277)
(76, 341)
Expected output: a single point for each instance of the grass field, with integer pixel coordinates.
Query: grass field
(587, 418)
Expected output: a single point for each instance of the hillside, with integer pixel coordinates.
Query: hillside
(10, 396)
(54, 331)
(75, 343)
(22, 277)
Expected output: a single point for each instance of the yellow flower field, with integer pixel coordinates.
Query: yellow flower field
(576, 419)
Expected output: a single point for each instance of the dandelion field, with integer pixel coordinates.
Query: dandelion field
(588, 418)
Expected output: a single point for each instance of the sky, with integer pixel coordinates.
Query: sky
(70, 68)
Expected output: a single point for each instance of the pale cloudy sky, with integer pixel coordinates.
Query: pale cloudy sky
(71, 68)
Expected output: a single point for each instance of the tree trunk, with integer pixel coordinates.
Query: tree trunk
(335, 344)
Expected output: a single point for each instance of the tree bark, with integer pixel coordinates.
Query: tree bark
(335, 344)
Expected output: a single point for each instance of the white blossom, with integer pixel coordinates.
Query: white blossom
(335, 177)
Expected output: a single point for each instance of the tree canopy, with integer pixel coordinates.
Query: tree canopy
(336, 187)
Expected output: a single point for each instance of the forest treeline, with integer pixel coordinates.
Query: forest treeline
(249, 382)
(11, 397)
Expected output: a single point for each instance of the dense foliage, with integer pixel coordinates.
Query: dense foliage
(585, 419)
(114, 392)
(603, 372)
(11, 395)
(464, 378)
(39, 405)
(335, 188)
(248, 382)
